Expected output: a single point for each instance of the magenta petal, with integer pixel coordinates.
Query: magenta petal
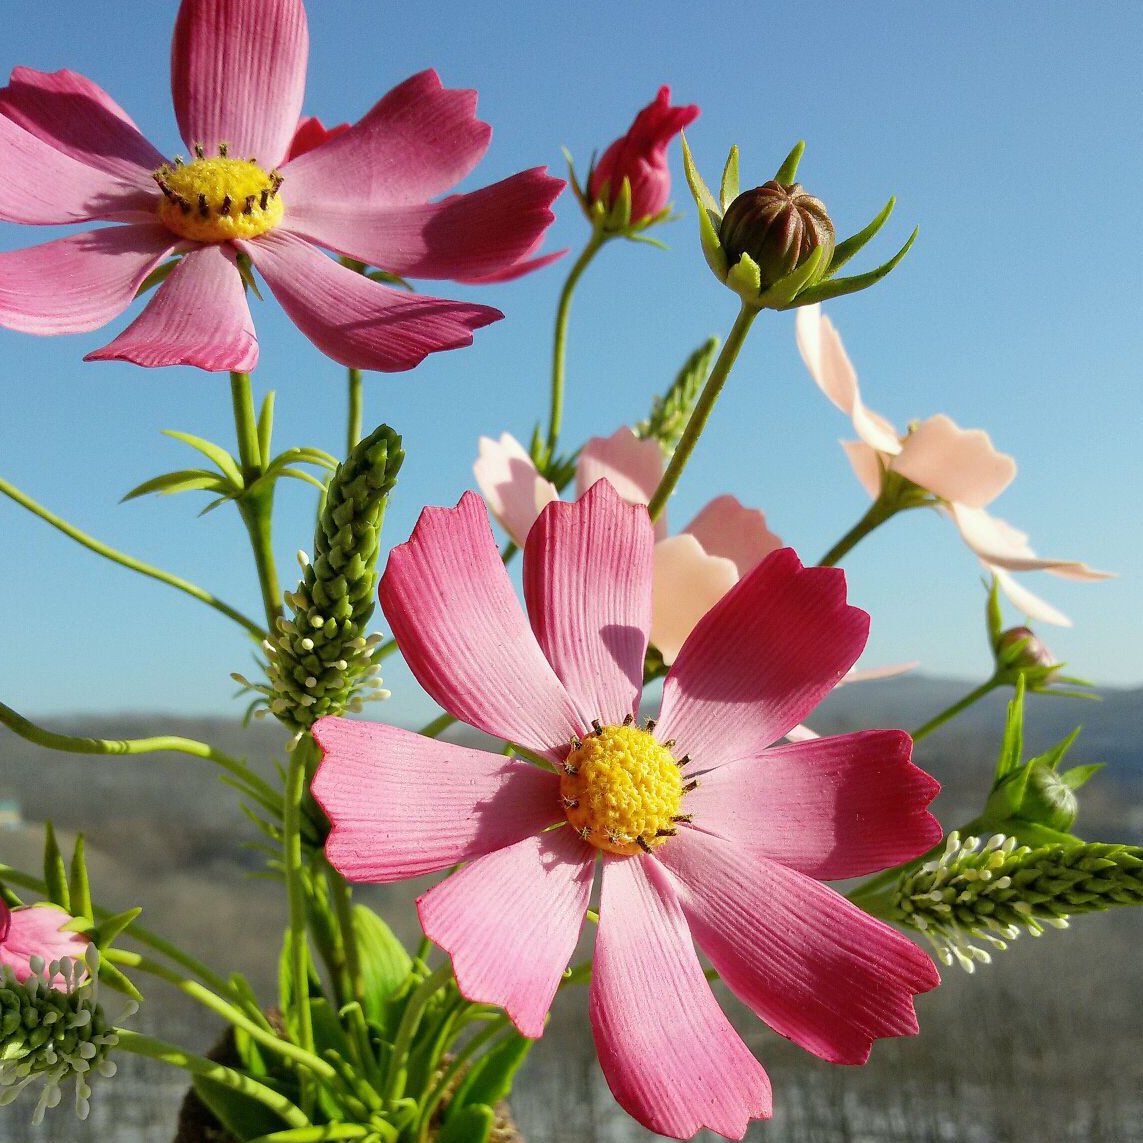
(455, 616)
(43, 186)
(511, 920)
(238, 74)
(79, 282)
(760, 660)
(829, 807)
(587, 584)
(356, 321)
(35, 930)
(419, 141)
(671, 1057)
(815, 967)
(402, 804)
(198, 316)
(77, 117)
(466, 236)
(634, 468)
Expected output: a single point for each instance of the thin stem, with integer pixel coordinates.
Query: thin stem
(438, 725)
(458, 1061)
(342, 895)
(880, 510)
(703, 408)
(154, 1049)
(559, 348)
(974, 695)
(256, 502)
(129, 562)
(356, 403)
(410, 1019)
(296, 934)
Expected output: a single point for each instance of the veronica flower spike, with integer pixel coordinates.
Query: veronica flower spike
(245, 195)
(938, 463)
(703, 831)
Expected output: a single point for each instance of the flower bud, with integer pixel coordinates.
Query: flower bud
(1020, 647)
(779, 227)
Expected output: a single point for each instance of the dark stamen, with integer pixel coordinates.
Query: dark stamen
(642, 844)
(666, 832)
(690, 786)
(203, 207)
(571, 803)
(223, 150)
(628, 719)
(651, 724)
(199, 151)
(683, 818)
(597, 726)
(264, 201)
(249, 207)
(224, 209)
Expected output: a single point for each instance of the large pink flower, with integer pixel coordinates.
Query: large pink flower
(692, 571)
(640, 157)
(37, 931)
(960, 467)
(70, 154)
(707, 832)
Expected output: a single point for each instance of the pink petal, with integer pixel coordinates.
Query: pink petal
(763, 657)
(830, 367)
(687, 584)
(1026, 601)
(867, 465)
(43, 186)
(633, 467)
(511, 920)
(587, 584)
(73, 115)
(508, 480)
(725, 528)
(356, 321)
(829, 807)
(466, 236)
(198, 316)
(419, 141)
(871, 674)
(238, 74)
(815, 967)
(954, 463)
(402, 804)
(35, 930)
(311, 133)
(454, 615)
(517, 269)
(670, 1056)
(79, 282)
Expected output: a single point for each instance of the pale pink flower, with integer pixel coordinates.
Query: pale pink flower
(37, 931)
(736, 871)
(959, 467)
(70, 154)
(693, 570)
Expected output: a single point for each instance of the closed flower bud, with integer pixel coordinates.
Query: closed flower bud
(1021, 647)
(779, 227)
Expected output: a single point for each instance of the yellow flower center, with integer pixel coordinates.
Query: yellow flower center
(622, 790)
(217, 199)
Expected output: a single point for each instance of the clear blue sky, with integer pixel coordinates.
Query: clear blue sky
(1009, 133)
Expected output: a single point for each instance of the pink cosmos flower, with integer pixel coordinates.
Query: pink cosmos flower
(37, 931)
(692, 571)
(640, 156)
(960, 467)
(708, 834)
(70, 154)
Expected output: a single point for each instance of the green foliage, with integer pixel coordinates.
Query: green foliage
(670, 412)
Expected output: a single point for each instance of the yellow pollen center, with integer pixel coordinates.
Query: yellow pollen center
(622, 790)
(215, 200)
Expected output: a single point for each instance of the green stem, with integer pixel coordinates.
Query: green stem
(880, 510)
(256, 502)
(960, 705)
(256, 786)
(438, 725)
(296, 934)
(559, 348)
(499, 1026)
(130, 562)
(342, 894)
(154, 1049)
(703, 408)
(356, 403)
(410, 1019)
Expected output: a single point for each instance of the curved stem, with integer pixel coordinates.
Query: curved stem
(296, 934)
(438, 725)
(354, 978)
(974, 695)
(356, 403)
(410, 1018)
(880, 510)
(154, 1049)
(559, 347)
(129, 562)
(703, 408)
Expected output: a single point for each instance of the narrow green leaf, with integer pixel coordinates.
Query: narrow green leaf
(472, 1125)
(227, 465)
(266, 425)
(110, 927)
(728, 191)
(788, 171)
(790, 288)
(55, 871)
(184, 480)
(838, 287)
(384, 962)
(241, 1116)
(489, 1079)
(110, 975)
(1078, 775)
(846, 249)
(79, 886)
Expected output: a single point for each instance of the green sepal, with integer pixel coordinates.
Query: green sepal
(709, 216)
(385, 964)
(728, 191)
(574, 182)
(388, 279)
(1012, 744)
(788, 171)
(846, 249)
(184, 480)
(789, 288)
(489, 1079)
(994, 616)
(838, 287)
(156, 277)
(1078, 775)
(246, 273)
(473, 1125)
(79, 885)
(109, 928)
(112, 977)
(745, 279)
(55, 870)
(265, 424)
(227, 465)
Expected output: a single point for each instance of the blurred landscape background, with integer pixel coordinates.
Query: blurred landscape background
(1044, 1044)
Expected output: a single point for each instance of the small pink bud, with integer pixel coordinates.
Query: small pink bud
(1021, 647)
(779, 227)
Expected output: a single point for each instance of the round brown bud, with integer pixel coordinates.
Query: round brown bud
(779, 227)
(1021, 647)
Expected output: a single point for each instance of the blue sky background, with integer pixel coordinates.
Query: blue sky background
(1010, 135)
